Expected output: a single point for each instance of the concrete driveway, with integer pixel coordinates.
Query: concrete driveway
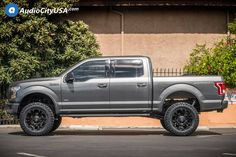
(118, 143)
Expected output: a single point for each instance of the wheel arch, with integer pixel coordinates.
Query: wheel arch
(41, 92)
(181, 91)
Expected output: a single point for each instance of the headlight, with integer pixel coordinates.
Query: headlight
(13, 91)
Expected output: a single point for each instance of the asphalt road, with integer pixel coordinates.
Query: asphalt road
(127, 143)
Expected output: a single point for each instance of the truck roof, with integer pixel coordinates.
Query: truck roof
(120, 56)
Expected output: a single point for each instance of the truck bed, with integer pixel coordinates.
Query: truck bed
(202, 87)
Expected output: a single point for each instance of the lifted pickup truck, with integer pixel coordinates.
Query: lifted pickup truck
(115, 86)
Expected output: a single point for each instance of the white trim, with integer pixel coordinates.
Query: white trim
(28, 154)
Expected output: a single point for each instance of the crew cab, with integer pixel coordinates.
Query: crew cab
(115, 86)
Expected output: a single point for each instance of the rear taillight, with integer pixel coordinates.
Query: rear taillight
(221, 87)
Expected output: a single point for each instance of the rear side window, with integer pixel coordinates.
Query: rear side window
(90, 70)
(127, 68)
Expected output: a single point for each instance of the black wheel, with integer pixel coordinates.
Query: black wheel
(181, 119)
(36, 119)
(57, 123)
(163, 123)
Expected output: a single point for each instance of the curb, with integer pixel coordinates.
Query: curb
(138, 128)
(94, 127)
(9, 126)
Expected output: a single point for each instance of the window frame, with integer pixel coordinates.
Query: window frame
(112, 67)
(107, 68)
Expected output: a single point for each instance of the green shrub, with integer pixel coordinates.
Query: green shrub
(41, 45)
(219, 60)
(3, 113)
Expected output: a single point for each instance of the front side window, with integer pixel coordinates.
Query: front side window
(127, 68)
(90, 70)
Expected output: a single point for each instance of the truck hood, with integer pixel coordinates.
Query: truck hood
(35, 80)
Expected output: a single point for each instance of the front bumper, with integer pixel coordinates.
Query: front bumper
(12, 108)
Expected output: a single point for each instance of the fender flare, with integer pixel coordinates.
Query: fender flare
(181, 88)
(40, 90)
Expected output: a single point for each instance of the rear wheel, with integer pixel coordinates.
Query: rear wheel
(36, 119)
(181, 119)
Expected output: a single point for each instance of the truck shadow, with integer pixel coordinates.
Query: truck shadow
(116, 132)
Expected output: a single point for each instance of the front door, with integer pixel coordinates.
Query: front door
(89, 92)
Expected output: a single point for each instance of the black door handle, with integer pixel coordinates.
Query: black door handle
(142, 84)
(102, 85)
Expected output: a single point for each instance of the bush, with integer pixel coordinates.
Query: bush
(40, 45)
(36, 45)
(219, 60)
(3, 112)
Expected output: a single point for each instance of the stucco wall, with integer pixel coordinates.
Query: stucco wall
(166, 35)
(152, 20)
(165, 50)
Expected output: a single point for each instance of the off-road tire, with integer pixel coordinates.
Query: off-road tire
(29, 119)
(163, 123)
(57, 123)
(181, 119)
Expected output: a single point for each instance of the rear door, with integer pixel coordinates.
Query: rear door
(129, 86)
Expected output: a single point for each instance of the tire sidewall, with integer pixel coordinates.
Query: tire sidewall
(162, 121)
(57, 123)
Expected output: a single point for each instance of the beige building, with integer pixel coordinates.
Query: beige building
(166, 30)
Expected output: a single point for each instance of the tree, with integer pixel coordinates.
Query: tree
(219, 60)
(40, 45)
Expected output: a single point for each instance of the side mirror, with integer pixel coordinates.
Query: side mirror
(70, 77)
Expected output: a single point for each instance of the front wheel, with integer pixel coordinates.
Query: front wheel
(36, 119)
(181, 119)
(163, 123)
(57, 123)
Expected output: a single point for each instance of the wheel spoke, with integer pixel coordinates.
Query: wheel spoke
(36, 119)
(182, 118)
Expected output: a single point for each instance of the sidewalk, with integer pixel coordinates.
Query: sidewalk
(210, 119)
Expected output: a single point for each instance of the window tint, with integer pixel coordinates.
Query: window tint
(90, 70)
(127, 68)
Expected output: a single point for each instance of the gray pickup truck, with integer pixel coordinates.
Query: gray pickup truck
(115, 86)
